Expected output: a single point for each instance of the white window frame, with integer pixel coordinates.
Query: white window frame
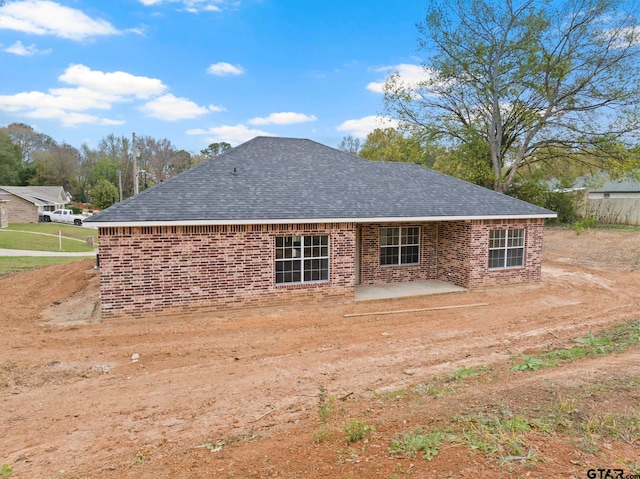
(402, 235)
(507, 243)
(298, 255)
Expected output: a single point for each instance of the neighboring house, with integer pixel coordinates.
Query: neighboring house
(615, 202)
(4, 218)
(27, 203)
(279, 219)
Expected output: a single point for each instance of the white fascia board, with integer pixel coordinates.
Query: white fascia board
(281, 221)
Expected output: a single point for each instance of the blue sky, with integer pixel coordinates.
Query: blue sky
(200, 71)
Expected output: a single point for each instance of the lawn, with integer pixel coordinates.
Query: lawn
(44, 237)
(69, 231)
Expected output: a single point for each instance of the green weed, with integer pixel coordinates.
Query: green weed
(463, 372)
(433, 389)
(496, 435)
(409, 445)
(323, 433)
(595, 343)
(356, 430)
(528, 363)
(584, 224)
(325, 404)
(6, 470)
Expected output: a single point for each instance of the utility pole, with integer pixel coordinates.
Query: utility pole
(134, 148)
(120, 184)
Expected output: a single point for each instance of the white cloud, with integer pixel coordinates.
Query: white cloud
(410, 75)
(283, 118)
(19, 49)
(171, 108)
(360, 128)
(71, 118)
(225, 69)
(44, 17)
(96, 90)
(117, 83)
(61, 99)
(231, 134)
(191, 6)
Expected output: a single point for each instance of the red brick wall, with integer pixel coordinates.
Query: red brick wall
(481, 275)
(453, 251)
(372, 273)
(179, 269)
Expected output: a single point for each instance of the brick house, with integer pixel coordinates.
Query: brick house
(277, 219)
(25, 204)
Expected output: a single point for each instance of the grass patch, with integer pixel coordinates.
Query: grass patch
(617, 340)
(613, 227)
(470, 372)
(503, 434)
(18, 264)
(420, 442)
(433, 388)
(37, 241)
(500, 435)
(622, 426)
(396, 395)
(68, 231)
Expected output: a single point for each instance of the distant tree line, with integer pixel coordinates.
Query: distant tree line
(543, 182)
(98, 176)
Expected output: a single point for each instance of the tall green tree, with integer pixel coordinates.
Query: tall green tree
(57, 166)
(388, 144)
(29, 140)
(215, 149)
(470, 161)
(10, 161)
(526, 76)
(103, 194)
(118, 149)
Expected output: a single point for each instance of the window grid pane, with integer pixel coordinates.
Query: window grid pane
(399, 245)
(388, 255)
(389, 236)
(300, 259)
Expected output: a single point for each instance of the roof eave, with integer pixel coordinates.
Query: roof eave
(280, 221)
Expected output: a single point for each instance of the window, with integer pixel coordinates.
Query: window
(506, 249)
(399, 246)
(302, 259)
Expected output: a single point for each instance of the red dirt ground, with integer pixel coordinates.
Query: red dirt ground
(236, 394)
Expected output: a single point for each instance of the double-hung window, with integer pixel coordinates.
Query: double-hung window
(302, 259)
(506, 249)
(399, 245)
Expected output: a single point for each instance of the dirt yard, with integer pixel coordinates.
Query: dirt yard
(271, 392)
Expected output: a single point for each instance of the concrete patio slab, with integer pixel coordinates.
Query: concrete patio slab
(368, 292)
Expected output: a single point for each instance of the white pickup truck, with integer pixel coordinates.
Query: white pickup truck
(63, 216)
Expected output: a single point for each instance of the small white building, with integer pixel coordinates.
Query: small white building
(615, 202)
